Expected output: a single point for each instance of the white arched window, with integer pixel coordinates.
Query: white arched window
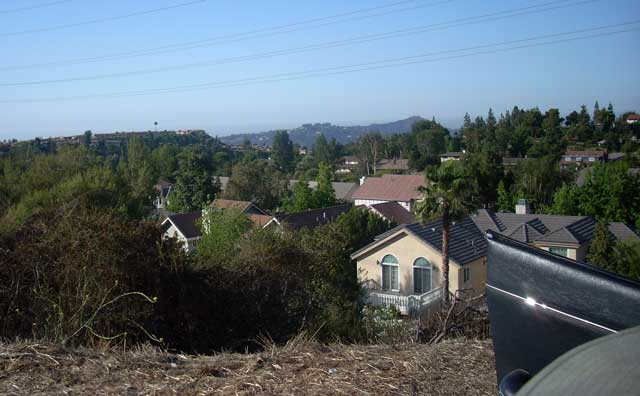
(390, 279)
(421, 275)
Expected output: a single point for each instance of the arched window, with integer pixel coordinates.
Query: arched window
(421, 275)
(390, 279)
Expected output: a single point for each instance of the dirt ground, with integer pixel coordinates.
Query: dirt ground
(454, 367)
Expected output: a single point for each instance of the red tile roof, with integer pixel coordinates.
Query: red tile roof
(401, 188)
(633, 117)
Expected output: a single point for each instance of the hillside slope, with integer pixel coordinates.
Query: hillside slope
(306, 134)
(454, 367)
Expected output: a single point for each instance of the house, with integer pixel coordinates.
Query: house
(403, 267)
(402, 189)
(343, 190)
(582, 158)
(451, 156)
(393, 212)
(633, 119)
(186, 229)
(163, 189)
(347, 164)
(308, 219)
(396, 165)
(183, 227)
(568, 236)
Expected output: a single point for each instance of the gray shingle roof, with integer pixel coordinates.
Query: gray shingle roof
(546, 228)
(187, 223)
(395, 212)
(312, 218)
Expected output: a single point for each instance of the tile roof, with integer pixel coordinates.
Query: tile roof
(401, 188)
(466, 242)
(546, 228)
(312, 218)
(395, 212)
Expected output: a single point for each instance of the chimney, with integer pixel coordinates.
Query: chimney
(522, 207)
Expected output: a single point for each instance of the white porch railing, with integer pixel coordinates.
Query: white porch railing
(407, 305)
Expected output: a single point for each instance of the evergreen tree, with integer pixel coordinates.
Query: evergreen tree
(302, 198)
(324, 195)
(194, 185)
(282, 151)
(505, 201)
(601, 248)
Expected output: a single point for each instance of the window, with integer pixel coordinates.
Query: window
(466, 274)
(592, 159)
(390, 280)
(560, 251)
(421, 275)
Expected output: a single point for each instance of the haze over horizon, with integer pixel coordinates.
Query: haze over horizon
(125, 65)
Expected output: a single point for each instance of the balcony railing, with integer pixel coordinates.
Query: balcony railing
(407, 305)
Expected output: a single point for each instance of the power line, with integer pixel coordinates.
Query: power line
(225, 39)
(100, 20)
(553, 5)
(483, 49)
(33, 7)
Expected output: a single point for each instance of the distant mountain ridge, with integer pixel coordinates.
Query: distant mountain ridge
(306, 134)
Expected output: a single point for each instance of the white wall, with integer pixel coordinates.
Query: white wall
(369, 202)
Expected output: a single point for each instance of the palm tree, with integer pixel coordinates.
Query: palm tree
(448, 194)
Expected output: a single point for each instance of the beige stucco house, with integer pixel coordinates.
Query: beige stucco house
(403, 267)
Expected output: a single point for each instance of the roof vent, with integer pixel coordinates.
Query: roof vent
(433, 229)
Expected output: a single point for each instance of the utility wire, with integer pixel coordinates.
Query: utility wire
(510, 45)
(254, 34)
(100, 20)
(326, 45)
(33, 7)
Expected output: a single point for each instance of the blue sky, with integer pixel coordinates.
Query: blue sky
(564, 75)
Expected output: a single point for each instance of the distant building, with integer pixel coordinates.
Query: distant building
(163, 189)
(451, 156)
(583, 158)
(347, 164)
(402, 189)
(633, 119)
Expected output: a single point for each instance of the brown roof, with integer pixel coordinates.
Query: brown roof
(633, 117)
(230, 204)
(260, 220)
(393, 164)
(395, 212)
(586, 153)
(312, 218)
(401, 188)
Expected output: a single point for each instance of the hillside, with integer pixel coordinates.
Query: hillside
(306, 134)
(454, 367)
